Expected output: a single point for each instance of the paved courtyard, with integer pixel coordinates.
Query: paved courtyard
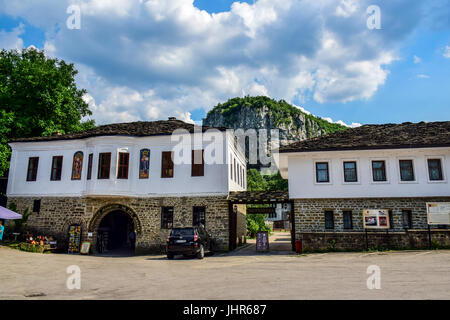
(240, 275)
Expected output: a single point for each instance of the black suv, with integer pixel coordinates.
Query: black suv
(191, 241)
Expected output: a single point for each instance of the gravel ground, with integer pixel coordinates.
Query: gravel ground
(240, 275)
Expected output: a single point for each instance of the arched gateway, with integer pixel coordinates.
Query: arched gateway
(112, 226)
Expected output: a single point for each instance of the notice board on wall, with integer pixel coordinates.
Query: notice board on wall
(376, 219)
(262, 241)
(438, 213)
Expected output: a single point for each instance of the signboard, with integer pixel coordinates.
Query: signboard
(438, 212)
(85, 247)
(262, 241)
(376, 219)
(260, 210)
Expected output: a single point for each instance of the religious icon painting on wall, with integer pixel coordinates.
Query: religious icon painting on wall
(77, 165)
(144, 164)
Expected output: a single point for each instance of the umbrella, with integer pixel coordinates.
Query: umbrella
(8, 214)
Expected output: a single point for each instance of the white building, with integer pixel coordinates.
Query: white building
(394, 167)
(140, 168)
(280, 217)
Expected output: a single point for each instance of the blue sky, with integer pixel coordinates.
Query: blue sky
(146, 60)
(413, 91)
(215, 6)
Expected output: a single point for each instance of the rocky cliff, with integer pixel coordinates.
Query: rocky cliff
(265, 113)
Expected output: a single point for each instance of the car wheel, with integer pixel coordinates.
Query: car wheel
(201, 253)
(170, 256)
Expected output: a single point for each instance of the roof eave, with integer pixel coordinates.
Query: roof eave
(366, 148)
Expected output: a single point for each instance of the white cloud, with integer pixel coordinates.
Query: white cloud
(423, 76)
(447, 52)
(352, 81)
(342, 123)
(12, 40)
(417, 59)
(346, 8)
(149, 59)
(186, 117)
(352, 125)
(302, 109)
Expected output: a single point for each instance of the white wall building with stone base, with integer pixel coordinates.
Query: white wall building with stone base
(399, 168)
(131, 176)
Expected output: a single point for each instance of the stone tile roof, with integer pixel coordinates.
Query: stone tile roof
(385, 136)
(258, 196)
(136, 129)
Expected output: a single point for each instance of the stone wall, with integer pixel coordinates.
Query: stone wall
(241, 233)
(310, 223)
(58, 213)
(348, 241)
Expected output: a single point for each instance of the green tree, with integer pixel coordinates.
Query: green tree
(276, 183)
(258, 182)
(255, 181)
(256, 223)
(38, 97)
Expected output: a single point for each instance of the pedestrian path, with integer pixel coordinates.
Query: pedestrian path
(279, 243)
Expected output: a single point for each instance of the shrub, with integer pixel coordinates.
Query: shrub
(256, 223)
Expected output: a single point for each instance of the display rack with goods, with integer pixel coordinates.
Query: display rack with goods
(74, 239)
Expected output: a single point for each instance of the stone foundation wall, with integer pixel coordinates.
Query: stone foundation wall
(348, 241)
(310, 223)
(58, 213)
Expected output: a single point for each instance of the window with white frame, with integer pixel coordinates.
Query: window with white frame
(379, 170)
(322, 172)
(406, 170)
(435, 169)
(350, 174)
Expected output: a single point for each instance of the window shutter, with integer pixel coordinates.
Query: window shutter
(124, 160)
(89, 169)
(166, 165)
(197, 169)
(104, 165)
(33, 163)
(55, 174)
